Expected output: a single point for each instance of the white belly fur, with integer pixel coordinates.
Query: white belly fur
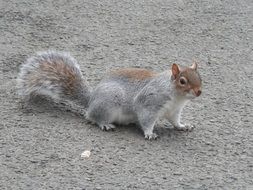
(172, 107)
(119, 117)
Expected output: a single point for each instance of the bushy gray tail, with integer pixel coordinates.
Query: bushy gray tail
(53, 74)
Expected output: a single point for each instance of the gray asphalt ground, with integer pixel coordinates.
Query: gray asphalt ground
(40, 146)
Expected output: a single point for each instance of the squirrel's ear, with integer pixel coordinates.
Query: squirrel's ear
(194, 65)
(175, 70)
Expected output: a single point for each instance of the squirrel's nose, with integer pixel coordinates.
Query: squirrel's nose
(198, 93)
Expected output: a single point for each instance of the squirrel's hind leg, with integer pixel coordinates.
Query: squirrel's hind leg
(101, 116)
(103, 123)
(106, 127)
(104, 107)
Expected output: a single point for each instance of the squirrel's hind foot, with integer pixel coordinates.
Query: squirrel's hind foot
(107, 127)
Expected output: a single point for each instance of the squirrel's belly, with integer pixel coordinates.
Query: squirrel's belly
(121, 117)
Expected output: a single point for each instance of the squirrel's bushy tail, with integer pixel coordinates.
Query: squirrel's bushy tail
(53, 74)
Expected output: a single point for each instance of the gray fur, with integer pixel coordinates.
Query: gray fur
(120, 100)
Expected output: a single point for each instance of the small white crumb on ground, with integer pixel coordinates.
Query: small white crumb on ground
(85, 154)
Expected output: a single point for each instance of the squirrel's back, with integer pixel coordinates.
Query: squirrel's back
(53, 74)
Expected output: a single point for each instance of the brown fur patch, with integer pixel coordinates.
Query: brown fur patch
(193, 80)
(134, 73)
(61, 73)
(192, 77)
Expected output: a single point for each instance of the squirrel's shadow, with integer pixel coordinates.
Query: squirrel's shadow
(40, 104)
(164, 133)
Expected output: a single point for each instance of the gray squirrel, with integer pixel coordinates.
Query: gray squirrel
(124, 96)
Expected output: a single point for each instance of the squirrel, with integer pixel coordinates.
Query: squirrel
(124, 96)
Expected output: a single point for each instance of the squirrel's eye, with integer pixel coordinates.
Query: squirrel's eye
(182, 81)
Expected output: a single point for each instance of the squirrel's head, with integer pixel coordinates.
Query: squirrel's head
(187, 80)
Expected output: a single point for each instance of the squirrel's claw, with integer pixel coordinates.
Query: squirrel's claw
(152, 136)
(185, 127)
(107, 127)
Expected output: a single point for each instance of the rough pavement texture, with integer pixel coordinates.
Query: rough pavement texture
(40, 147)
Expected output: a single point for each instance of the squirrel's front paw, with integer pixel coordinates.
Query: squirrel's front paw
(151, 136)
(184, 127)
(107, 127)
